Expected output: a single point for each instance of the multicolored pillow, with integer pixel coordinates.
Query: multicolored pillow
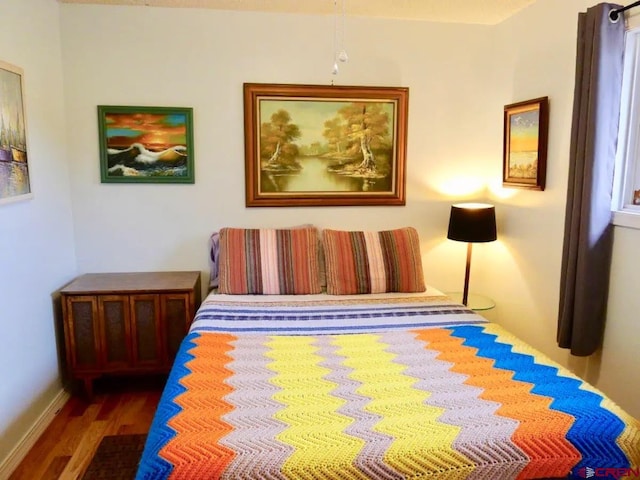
(269, 261)
(373, 262)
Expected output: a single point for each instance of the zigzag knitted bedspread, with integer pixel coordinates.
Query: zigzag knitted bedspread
(384, 387)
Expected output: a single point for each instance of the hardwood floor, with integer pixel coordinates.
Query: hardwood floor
(119, 406)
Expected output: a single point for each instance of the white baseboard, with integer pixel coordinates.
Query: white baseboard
(29, 439)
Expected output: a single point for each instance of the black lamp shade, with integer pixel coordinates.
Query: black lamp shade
(472, 222)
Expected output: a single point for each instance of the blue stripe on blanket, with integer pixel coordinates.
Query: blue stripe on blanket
(279, 329)
(324, 315)
(314, 310)
(152, 466)
(596, 440)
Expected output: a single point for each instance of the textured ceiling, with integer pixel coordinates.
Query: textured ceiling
(487, 12)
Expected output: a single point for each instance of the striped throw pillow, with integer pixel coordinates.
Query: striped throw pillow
(269, 261)
(373, 262)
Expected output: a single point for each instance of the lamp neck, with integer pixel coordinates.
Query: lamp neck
(465, 293)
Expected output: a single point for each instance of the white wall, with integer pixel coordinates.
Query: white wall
(200, 59)
(523, 275)
(619, 371)
(36, 236)
(541, 43)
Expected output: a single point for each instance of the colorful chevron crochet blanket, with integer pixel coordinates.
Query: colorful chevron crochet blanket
(387, 387)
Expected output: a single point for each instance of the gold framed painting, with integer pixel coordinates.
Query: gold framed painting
(313, 145)
(526, 126)
(15, 183)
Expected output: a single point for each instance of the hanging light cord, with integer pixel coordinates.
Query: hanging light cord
(335, 38)
(342, 54)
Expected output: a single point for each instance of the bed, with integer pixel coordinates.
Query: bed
(386, 385)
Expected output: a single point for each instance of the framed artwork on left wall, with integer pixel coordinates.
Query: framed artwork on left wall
(15, 183)
(146, 144)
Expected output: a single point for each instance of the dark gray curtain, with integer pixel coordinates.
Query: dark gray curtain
(588, 235)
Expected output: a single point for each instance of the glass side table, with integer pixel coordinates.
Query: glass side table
(475, 301)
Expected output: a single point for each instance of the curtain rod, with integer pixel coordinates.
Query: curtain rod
(613, 14)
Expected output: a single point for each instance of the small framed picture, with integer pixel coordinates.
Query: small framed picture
(146, 144)
(526, 126)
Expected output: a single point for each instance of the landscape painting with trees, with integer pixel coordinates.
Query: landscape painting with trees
(313, 145)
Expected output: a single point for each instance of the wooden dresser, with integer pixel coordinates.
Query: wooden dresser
(124, 323)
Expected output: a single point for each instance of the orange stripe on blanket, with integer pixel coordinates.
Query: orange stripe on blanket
(195, 452)
(541, 432)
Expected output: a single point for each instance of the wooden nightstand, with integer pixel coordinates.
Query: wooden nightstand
(123, 323)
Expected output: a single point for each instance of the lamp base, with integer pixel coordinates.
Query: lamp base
(475, 301)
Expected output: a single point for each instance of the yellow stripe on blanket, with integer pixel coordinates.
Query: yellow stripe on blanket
(315, 428)
(422, 444)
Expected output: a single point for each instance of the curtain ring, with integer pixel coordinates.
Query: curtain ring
(614, 16)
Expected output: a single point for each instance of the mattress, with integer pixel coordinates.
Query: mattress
(386, 386)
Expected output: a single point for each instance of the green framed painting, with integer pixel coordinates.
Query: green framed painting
(146, 144)
(318, 145)
(526, 126)
(15, 181)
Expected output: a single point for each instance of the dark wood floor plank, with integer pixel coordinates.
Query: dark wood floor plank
(74, 430)
(78, 406)
(107, 408)
(83, 454)
(55, 468)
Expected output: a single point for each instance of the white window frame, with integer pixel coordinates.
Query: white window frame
(627, 168)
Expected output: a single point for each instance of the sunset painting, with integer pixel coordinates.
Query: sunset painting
(146, 144)
(525, 143)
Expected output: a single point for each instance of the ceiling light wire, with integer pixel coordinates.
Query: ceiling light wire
(334, 71)
(342, 56)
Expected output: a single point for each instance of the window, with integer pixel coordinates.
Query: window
(626, 197)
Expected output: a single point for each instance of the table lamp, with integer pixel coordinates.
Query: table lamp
(471, 223)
